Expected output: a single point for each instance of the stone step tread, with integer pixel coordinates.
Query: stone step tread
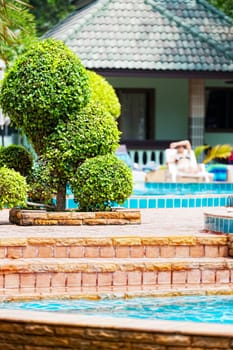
(111, 265)
(129, 240)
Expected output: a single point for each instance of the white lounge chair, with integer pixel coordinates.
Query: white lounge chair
(174, 173)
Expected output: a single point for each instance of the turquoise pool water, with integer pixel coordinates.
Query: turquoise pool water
(210, 309)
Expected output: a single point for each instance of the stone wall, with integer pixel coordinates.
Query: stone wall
(27, 330)
(42, 217)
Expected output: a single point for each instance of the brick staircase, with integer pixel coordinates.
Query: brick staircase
(70, 266)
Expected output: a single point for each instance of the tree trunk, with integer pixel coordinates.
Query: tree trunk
(61, 197)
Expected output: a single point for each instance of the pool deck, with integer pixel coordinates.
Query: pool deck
(155, 222)
(173, 223)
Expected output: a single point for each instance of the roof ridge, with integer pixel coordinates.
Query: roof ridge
(201, 36)
(98, 4)
(215, 10)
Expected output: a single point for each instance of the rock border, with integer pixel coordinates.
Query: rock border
(29, 217)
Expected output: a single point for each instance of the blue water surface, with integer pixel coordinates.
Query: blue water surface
(210, 309)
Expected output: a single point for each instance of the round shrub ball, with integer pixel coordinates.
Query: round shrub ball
(100, 181)
(103, 93)
(16, 157)
(46, 84)
(13, 188)
(93, 132)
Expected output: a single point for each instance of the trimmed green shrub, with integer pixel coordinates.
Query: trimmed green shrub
(100, 181)
(91, 133)
(102, 92)
(40, 189)
(47, 84)
(13, 188)
(16, 157)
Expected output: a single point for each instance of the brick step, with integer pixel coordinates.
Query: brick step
(111, 275)
(126, 246)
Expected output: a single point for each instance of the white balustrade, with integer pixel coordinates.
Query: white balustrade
(143, 157)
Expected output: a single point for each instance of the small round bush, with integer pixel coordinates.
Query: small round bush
(91, 133)
(16, 157)
(13, 188)
(46, 84)
(102, 92)
(100, 181)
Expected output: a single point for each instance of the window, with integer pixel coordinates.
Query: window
(137, 114)
(219, 109)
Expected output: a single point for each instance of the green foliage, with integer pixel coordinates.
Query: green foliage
(40, 188)
(224, 5)
(102, 92)
(218, 152)
(215, 152)
(48, 13)
(17, 28)
(100, 181)
(200, 149)
(16, 157)
(92, 132)
(47, 84)
(13, 188)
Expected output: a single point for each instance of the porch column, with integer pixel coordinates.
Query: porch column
(196, 111)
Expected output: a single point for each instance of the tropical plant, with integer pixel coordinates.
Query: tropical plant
(16, 157)
(100, 181)
(213, 153)
(13, 188)
(17, 28)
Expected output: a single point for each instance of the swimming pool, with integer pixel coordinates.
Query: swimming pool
(208, 309)
(172, 195)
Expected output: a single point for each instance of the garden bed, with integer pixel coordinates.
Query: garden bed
(31, 217)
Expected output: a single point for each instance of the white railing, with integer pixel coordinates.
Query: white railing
(143, 157)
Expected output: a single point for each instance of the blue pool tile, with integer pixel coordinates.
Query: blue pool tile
(198, 202)
(169, 203)
(191, 203)
(177, 202)
(223, 201)
(133, 203)
(204, 202)
(161, 203)
(184, 203)
(231, 226)
(143, 203)
(152, 203)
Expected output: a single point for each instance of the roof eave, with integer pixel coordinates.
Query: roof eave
(164, 73)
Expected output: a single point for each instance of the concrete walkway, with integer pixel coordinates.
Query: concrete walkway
(160, 222)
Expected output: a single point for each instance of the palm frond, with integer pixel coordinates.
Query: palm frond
(200, 149)
(218, 151)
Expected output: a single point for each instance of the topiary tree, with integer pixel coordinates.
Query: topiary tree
(100, 181)
(62, 109)
(92, 132)
(102, 92)
(46, 84)
(16, 157)
(13, 188)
